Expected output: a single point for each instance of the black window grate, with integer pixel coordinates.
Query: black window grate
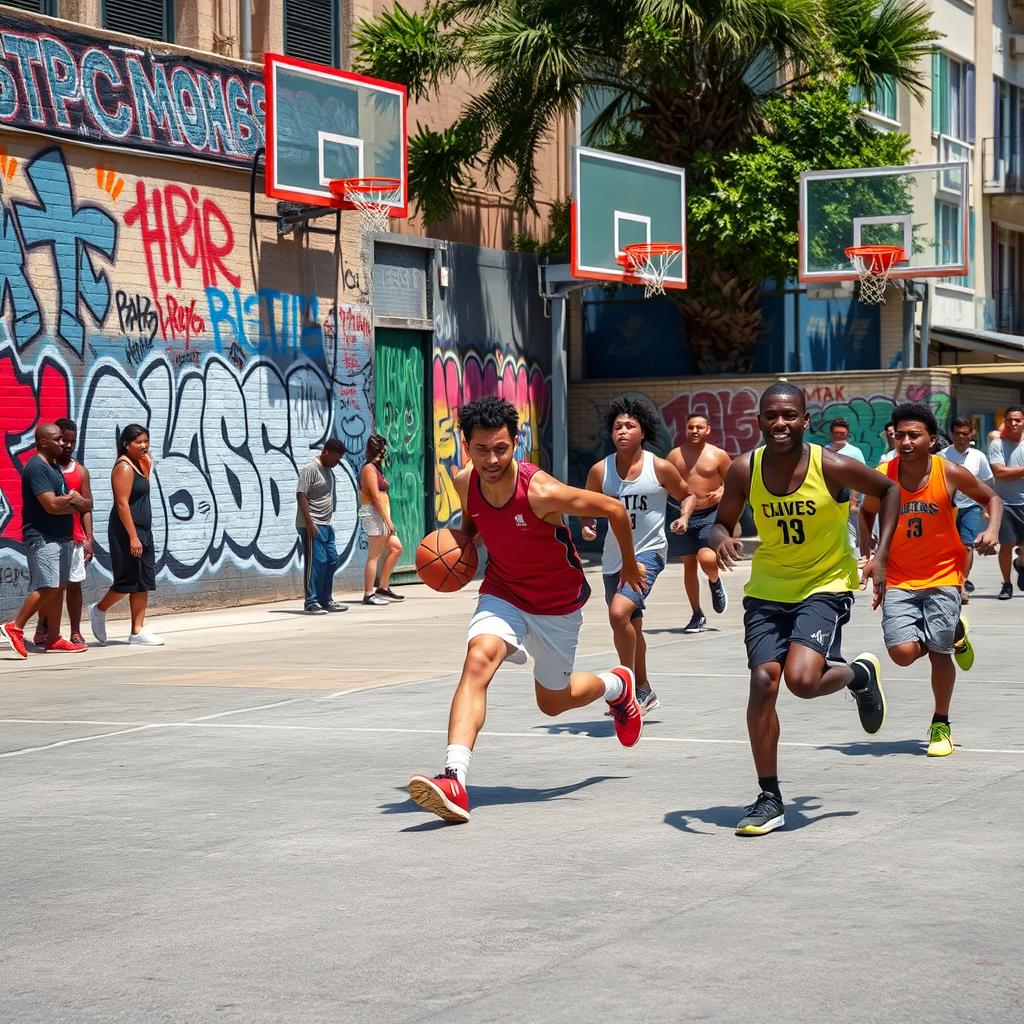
(311, 31)
(149, 19)
(38, 6)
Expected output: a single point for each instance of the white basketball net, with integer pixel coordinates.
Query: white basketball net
(874, 277)
(374, 204)
(652, 268)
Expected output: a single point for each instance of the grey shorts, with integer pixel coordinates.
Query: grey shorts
(49, 562)
(928, 615)
(1011, 530)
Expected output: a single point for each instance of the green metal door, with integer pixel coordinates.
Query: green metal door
(401, 404)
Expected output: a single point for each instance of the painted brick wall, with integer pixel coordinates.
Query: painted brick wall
(865, 398)
(136, 289)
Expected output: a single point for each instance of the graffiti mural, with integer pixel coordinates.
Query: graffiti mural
(70, 83)
(125, 298)
(732, 414)
(457, 380)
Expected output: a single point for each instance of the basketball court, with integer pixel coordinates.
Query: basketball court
(223, 833)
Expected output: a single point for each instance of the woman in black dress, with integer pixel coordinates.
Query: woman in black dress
(132, 559)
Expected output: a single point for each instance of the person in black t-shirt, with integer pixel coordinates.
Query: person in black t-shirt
(47, 508)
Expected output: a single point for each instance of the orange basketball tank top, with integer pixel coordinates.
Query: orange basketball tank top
(926, 548)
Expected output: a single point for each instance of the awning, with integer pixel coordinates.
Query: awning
(1010, 346)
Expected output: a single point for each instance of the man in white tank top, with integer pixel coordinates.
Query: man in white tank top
(643, 482)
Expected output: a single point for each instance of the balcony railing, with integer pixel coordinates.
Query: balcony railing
(1003, 165)
(1009, 312)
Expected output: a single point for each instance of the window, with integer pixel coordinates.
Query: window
(1008, 279)
(311, 31)
(949, 241)
(885, 102)
(39, 6)
(150, 19)
(952, 97)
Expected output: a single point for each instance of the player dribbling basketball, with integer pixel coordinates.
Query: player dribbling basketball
(531, 598)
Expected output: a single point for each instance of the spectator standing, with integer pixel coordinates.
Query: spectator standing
(839, 434)
(130, 539)
(76, 476)
(375, 516)
(1006, 456)
(890, 440)
(47, 508)
(968, 511)
(314, 496)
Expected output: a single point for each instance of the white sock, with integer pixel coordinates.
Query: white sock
(457, 757)
(613, 686)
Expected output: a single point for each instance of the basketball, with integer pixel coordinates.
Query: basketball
(446, 560)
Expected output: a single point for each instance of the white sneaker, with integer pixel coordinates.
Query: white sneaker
(98, 624)
(146, 639)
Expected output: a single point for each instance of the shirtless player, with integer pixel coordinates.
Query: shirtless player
(703, 467)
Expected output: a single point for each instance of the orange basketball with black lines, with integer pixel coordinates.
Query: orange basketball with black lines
(446, 560)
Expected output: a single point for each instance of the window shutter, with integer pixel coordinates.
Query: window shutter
(936, 91)
(969, 282)
(150, 19)
(969, 100)
(311, 30)
(38, 6)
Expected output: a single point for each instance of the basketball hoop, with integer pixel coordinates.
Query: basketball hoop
(374, 198)
(651, 262)
(874, 264)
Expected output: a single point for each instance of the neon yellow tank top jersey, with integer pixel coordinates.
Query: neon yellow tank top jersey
(805, 547)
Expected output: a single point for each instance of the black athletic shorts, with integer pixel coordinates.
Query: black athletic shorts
(698, 533)
(769, 627)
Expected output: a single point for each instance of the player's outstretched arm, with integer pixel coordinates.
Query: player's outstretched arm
(549, 496)
(461, 481)
(730, 508)
(595, 482)
(841, 472)
(967, 483)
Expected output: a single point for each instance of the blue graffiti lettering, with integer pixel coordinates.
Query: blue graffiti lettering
(15, 289)
(118, 123)
(70, 232)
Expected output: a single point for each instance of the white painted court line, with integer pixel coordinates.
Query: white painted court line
(200, 723)
(77, 739)
(256, 707)
(62, 721)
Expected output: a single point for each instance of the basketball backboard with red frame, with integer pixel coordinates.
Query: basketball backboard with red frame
(921, 209)
(323, 125)
(620, 201)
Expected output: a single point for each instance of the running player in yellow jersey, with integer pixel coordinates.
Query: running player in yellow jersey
(921, 612)
(799, 594)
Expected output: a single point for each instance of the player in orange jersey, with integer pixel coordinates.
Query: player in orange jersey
(921, 610)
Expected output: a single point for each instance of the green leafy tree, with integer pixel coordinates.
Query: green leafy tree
(702, 84)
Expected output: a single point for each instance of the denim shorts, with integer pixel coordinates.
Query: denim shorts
(653, 563)
(968, 524)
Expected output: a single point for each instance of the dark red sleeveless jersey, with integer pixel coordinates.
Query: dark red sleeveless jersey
(530, 563)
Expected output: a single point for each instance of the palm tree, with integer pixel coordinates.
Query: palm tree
(685, 80)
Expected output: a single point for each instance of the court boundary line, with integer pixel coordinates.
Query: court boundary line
(542, 734)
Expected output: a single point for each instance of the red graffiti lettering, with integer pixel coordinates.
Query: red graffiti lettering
(732, 416)
(25, 402)
(178, 321)
(178, 228)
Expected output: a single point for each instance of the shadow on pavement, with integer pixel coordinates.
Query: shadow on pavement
(681, 630)
(603, 727)
(491, 796)
(866, 748)
(727, 817)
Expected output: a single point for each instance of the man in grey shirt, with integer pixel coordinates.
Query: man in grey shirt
(1006, 456)
(314, 496)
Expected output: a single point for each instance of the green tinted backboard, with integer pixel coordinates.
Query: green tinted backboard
(922, 208)
(618, 201)
(323, 124)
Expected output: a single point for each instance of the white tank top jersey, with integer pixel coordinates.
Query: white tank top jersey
(645, 500)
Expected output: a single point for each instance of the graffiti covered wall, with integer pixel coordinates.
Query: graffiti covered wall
(866, 399)
(133, 292)
(490, 338)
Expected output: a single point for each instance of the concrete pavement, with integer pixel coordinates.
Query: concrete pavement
(217, 830)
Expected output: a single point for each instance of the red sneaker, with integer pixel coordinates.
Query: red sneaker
(62, 646)
(442, 795)
(15, 637)
(625, 712)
